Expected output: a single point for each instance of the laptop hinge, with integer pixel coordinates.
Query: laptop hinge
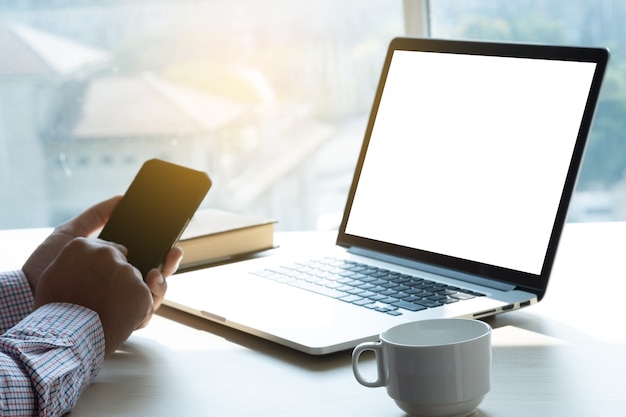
(501, 286)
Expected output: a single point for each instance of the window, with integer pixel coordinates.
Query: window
(601, 189)
(269, 97)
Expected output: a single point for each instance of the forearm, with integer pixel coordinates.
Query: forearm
(48, 359)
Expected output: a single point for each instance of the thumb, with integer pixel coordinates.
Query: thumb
(91, 219)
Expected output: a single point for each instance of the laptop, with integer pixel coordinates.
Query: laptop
(456, 208)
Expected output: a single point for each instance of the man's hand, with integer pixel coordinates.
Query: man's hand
(95, 274)
(53, 259)
(83, 225)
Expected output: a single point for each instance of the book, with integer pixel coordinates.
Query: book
(214, 236)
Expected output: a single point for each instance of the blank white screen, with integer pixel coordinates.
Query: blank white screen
(469, 154)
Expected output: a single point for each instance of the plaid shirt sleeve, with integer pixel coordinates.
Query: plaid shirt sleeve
(47, 357)
(16, 299)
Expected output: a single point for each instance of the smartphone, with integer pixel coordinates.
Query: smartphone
(154, 211)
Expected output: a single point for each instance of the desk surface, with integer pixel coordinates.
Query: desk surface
(565, 356)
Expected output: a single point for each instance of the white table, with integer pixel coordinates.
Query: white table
(565, 356)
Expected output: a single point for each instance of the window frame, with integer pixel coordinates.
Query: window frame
(417, 17)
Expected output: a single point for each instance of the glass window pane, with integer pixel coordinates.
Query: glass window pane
(269, 97)
(601, 190)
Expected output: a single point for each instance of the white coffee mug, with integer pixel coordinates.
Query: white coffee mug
(432, 368)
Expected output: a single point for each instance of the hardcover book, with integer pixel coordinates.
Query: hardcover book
(214, 236)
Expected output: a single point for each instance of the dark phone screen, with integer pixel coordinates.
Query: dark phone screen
(154, 211)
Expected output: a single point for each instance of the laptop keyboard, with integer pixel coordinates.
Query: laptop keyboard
(370, 287)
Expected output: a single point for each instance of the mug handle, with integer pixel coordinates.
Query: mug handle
(377, 348)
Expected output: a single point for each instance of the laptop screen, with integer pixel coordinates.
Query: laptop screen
(468, 155)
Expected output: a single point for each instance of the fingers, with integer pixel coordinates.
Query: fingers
(172, 261)
(158, 286)
(121, 248)
(105, 257)
(155, 280)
